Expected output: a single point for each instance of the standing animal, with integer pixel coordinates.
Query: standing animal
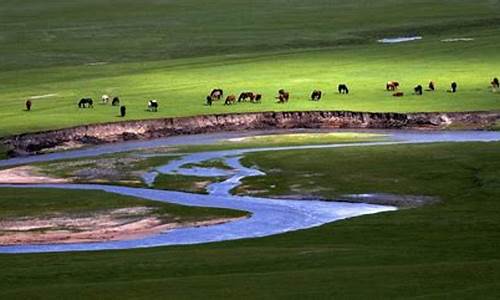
(454, 87)
(209, 100)
(398, 94)
(343, 89)
(258, 98)
(316, 95)
(123, 111)
(217, 94)
(419, 90)
(105, 99)
(153, 105)
(495, 83)
(392, 85)
(283, 96)
(246, 95)
(231, 99)
(28, 105)
(116, 101)
(432, 86)
(86, 103)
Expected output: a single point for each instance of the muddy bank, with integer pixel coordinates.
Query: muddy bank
(70, 138)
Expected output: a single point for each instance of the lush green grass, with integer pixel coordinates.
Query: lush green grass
(190, 184)
(20, 203)
(447, 250)
(177, 51)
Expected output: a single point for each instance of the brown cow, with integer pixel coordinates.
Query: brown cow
(398, 94)
(283, 96)
(495, 84)
(392, 85)
(316, 95)
(28, 105)
(231, 99)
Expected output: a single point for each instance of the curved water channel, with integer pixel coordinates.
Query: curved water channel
(268, 216)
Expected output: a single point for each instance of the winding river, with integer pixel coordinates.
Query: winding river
(268, 216)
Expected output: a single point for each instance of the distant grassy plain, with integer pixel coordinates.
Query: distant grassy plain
(177, 51)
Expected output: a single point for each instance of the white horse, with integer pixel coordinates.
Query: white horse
(105, 99)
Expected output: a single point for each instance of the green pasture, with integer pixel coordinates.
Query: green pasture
(177, 51)
(447, 250)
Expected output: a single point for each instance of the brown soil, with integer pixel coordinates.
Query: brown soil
(26, 175)
(119, 224)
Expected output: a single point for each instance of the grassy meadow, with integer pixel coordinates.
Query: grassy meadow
(448, 250)
(177, 51)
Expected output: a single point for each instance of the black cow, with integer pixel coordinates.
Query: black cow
(246, 95)
(316, 95)
(419, 90)
(432, 86)
(258, 98)
(454, 87)
(86, 103)
(123, 111)
(209, 101)
(153, 105)
(343, 89)
(28, 105)
(283, 96)
(116, 101)
(495, 83)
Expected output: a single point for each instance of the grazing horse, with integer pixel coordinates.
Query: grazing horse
(495, 83)
(105, 99)
(116, 101)
(398, 94)
(28, 105)
(454, 87)
(419, 90)
(123, 111)
(316, 95)
(231, 99)
(153, 105)
(209, 101)
(283, 96)
(246, 95)
(392, 85)
(85, 103)
(343, 89)
(432, 86)
(216, 94)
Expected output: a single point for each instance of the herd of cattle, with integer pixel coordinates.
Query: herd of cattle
(282, 97)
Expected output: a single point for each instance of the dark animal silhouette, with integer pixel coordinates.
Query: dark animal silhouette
(495, 83)
(28, 105)
(454, 87)
(398, 94)
(258, 98)
(246, 95)
(316, 95)
(86, 103)
(343, 89)
(432, 86)
(231, 99)
(418, 90)
(153, 105)
(217, 94)
(116, 101)
(209, 100)
(123, 111)
(283, 96)
(392, 85)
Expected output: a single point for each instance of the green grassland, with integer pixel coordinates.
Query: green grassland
(177, 51)
(40, 203)
(441, 251)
